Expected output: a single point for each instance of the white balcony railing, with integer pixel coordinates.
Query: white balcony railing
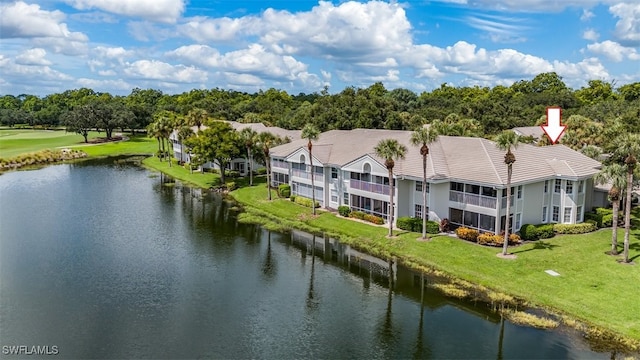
(472, 199)
(370, 187)
(307, 175)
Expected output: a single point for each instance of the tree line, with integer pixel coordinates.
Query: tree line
(466, 111)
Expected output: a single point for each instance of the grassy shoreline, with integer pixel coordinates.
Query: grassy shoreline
(592, 288)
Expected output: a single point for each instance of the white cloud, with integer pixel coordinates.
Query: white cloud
(218, 29)
(613, 51)
(21, 20)
(575, 74)
(627, 29)
(529, 5)
(166, 11)
(34, 56)
(100, 85)
(587, 15)
(32, 77)
(590, 34)
(158, 70)
(500, 28)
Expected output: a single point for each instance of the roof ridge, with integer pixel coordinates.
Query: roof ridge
(490, 159)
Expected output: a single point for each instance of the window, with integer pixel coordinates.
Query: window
(489, 191)
(557, 186)
(569, 187)
(472, 189)
(519, 192)
(417, 211)
(556, 214)
(334, 196)
(345, 199)
(579, 214)
(518, 219)
(567, 215)
(455, 216)
(546, 186)
(580, 186)
(419, 186)
(544, 214)
(455, 186)
(334, 173)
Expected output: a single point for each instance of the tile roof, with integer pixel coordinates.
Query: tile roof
(450, 157)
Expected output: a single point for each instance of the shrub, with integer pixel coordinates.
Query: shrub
(404, 223)
(603, 211)
(373, 219)
(490, 239)
(529, 232)
(433, 227)
(261, 171)
(545, 231)
(305, 201)
(231, 185)
(344, 210)
(607, 220)
(574, 228)
(514, 239)
(232, 174)
(292, 198)
(444, 225)
(592, 216)
(357, 215)
(284, 190)
(467, 234)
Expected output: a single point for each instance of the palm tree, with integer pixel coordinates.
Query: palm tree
(184, 132)
(628, 145)
(197, 117)
(153, 132)
(249, 138)
(423, 137)
(615, 174)
(266, 141)
(311, 133)
(505, 141)
(390, 150)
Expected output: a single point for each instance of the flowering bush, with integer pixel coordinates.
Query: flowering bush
(467, 234)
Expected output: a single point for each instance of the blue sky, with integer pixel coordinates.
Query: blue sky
(49, 46)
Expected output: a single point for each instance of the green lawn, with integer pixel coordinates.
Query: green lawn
(201, 180)
(19, 141)
(592, 286)
(137, 145)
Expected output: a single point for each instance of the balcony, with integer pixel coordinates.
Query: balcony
(307, 175)
(280, 164)
(472, 199)
(504, 201)
(370, 187)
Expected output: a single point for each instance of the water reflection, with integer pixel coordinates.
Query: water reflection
(157, 269)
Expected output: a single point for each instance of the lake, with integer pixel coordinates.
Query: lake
(104, 259)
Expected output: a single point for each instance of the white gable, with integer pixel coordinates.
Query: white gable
(302, 154)
(365, 164)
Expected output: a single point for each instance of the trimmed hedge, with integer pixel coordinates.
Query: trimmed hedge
(373, 219)
(467, 234)
(415, 224)
(357, 215)
(344, 210)
(284, 190)
(529, 232)
(492, 239)
(607, 220)
(305, 201)
(545, 231)
(574, 228)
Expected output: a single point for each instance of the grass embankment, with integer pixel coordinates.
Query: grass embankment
(592, 287)
(20, 141)
(201, 180)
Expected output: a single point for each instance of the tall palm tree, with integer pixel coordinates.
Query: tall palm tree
(153, 132)
(614, 174)
(249, 138)
(184, 132)
(266, 141)
(423, 137)
(390, 150)
(197, 117)
(628, 145)
(505, 141)
(311, 133)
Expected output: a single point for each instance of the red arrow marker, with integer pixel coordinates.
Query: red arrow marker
(554, 127)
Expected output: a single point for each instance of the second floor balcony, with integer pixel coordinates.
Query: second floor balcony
(472, 199)
(371, 187)
(307, 175)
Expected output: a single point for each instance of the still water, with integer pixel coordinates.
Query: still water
(108, 260)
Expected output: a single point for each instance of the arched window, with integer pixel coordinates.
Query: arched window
(303, 166)
(366, 172)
